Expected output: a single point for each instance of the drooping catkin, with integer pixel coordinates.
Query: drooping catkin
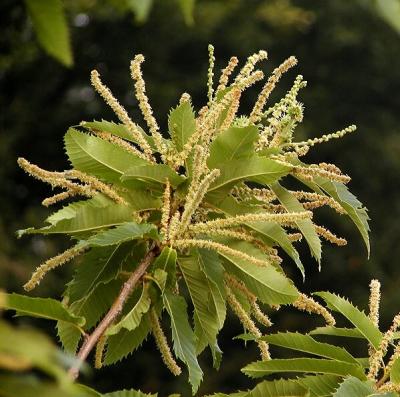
(306, 303)
(52, 263)
(121, 113)
(166, 209)
(101, 344)
(329, 236)
(221, 248)
(257, 217)
(250, 64)
(247, 322)
(256, 113)
(96, 184)
(58, 197)
(162, 344)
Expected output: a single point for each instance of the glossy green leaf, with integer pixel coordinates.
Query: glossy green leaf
(125, 342)
(232, 144)
(279, 388)
(306, 226)
(90, 154)
(305, 365)
(153, 173)
(320, 385)
(306, 344)
(350, 203)
(167, 262)
(132, 319)
(358, 318)
(354, 387)
(336, 331)
(209, 308)
(266, 282)
(395, 372)
(183, 337)
(51, 28)
(181, 124)
(120, 234)
(257, 169)
(50, 309)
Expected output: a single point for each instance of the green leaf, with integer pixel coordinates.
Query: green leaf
(153, 173)
(128, 393)
(100, 265)
(187, 8)
(350, 203)
(232, 144)
(183, 337)
(279, 388)
(125, 342)
(50, 309)
(120, 234)
(51, 28)
(320, 385)
(266, 282)
(395, 372)
(336, 331)
(305, 343)
(132, 319)
(359, 319)
(181, 124)
(83, 217)
(306, 226)
(354, 387)
(69, 336)
(93, 155)
(257, 169)
(307, 365)
(209, 306)
(167, 262)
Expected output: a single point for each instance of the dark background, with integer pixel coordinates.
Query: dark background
(348, 54)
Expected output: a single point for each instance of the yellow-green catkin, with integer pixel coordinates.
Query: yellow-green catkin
(242, 219)
(250, 64)
(389, 387)
(247, 322)
(376, 359)
(374, 301)
(162, 344)
(222, 248)
(329, 236)
(196, 198)
(96, 184)
(226, 73)
(121, 143)
(58, 197)
(210, 74)
(166, 209)
(305, 303)
(317, 171)
(256, 113)
(52, 263)
(185, 97)
(98, 358)
(325, 138)
(144, 105)
(121, 113)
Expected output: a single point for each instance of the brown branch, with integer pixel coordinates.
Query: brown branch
(91, 340)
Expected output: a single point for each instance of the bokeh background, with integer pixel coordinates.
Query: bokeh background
(348, 51)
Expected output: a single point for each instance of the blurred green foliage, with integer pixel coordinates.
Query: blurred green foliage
(348, 54)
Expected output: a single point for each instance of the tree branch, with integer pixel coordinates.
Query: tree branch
(116, 308)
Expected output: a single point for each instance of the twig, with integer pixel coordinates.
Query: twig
(113, 313)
